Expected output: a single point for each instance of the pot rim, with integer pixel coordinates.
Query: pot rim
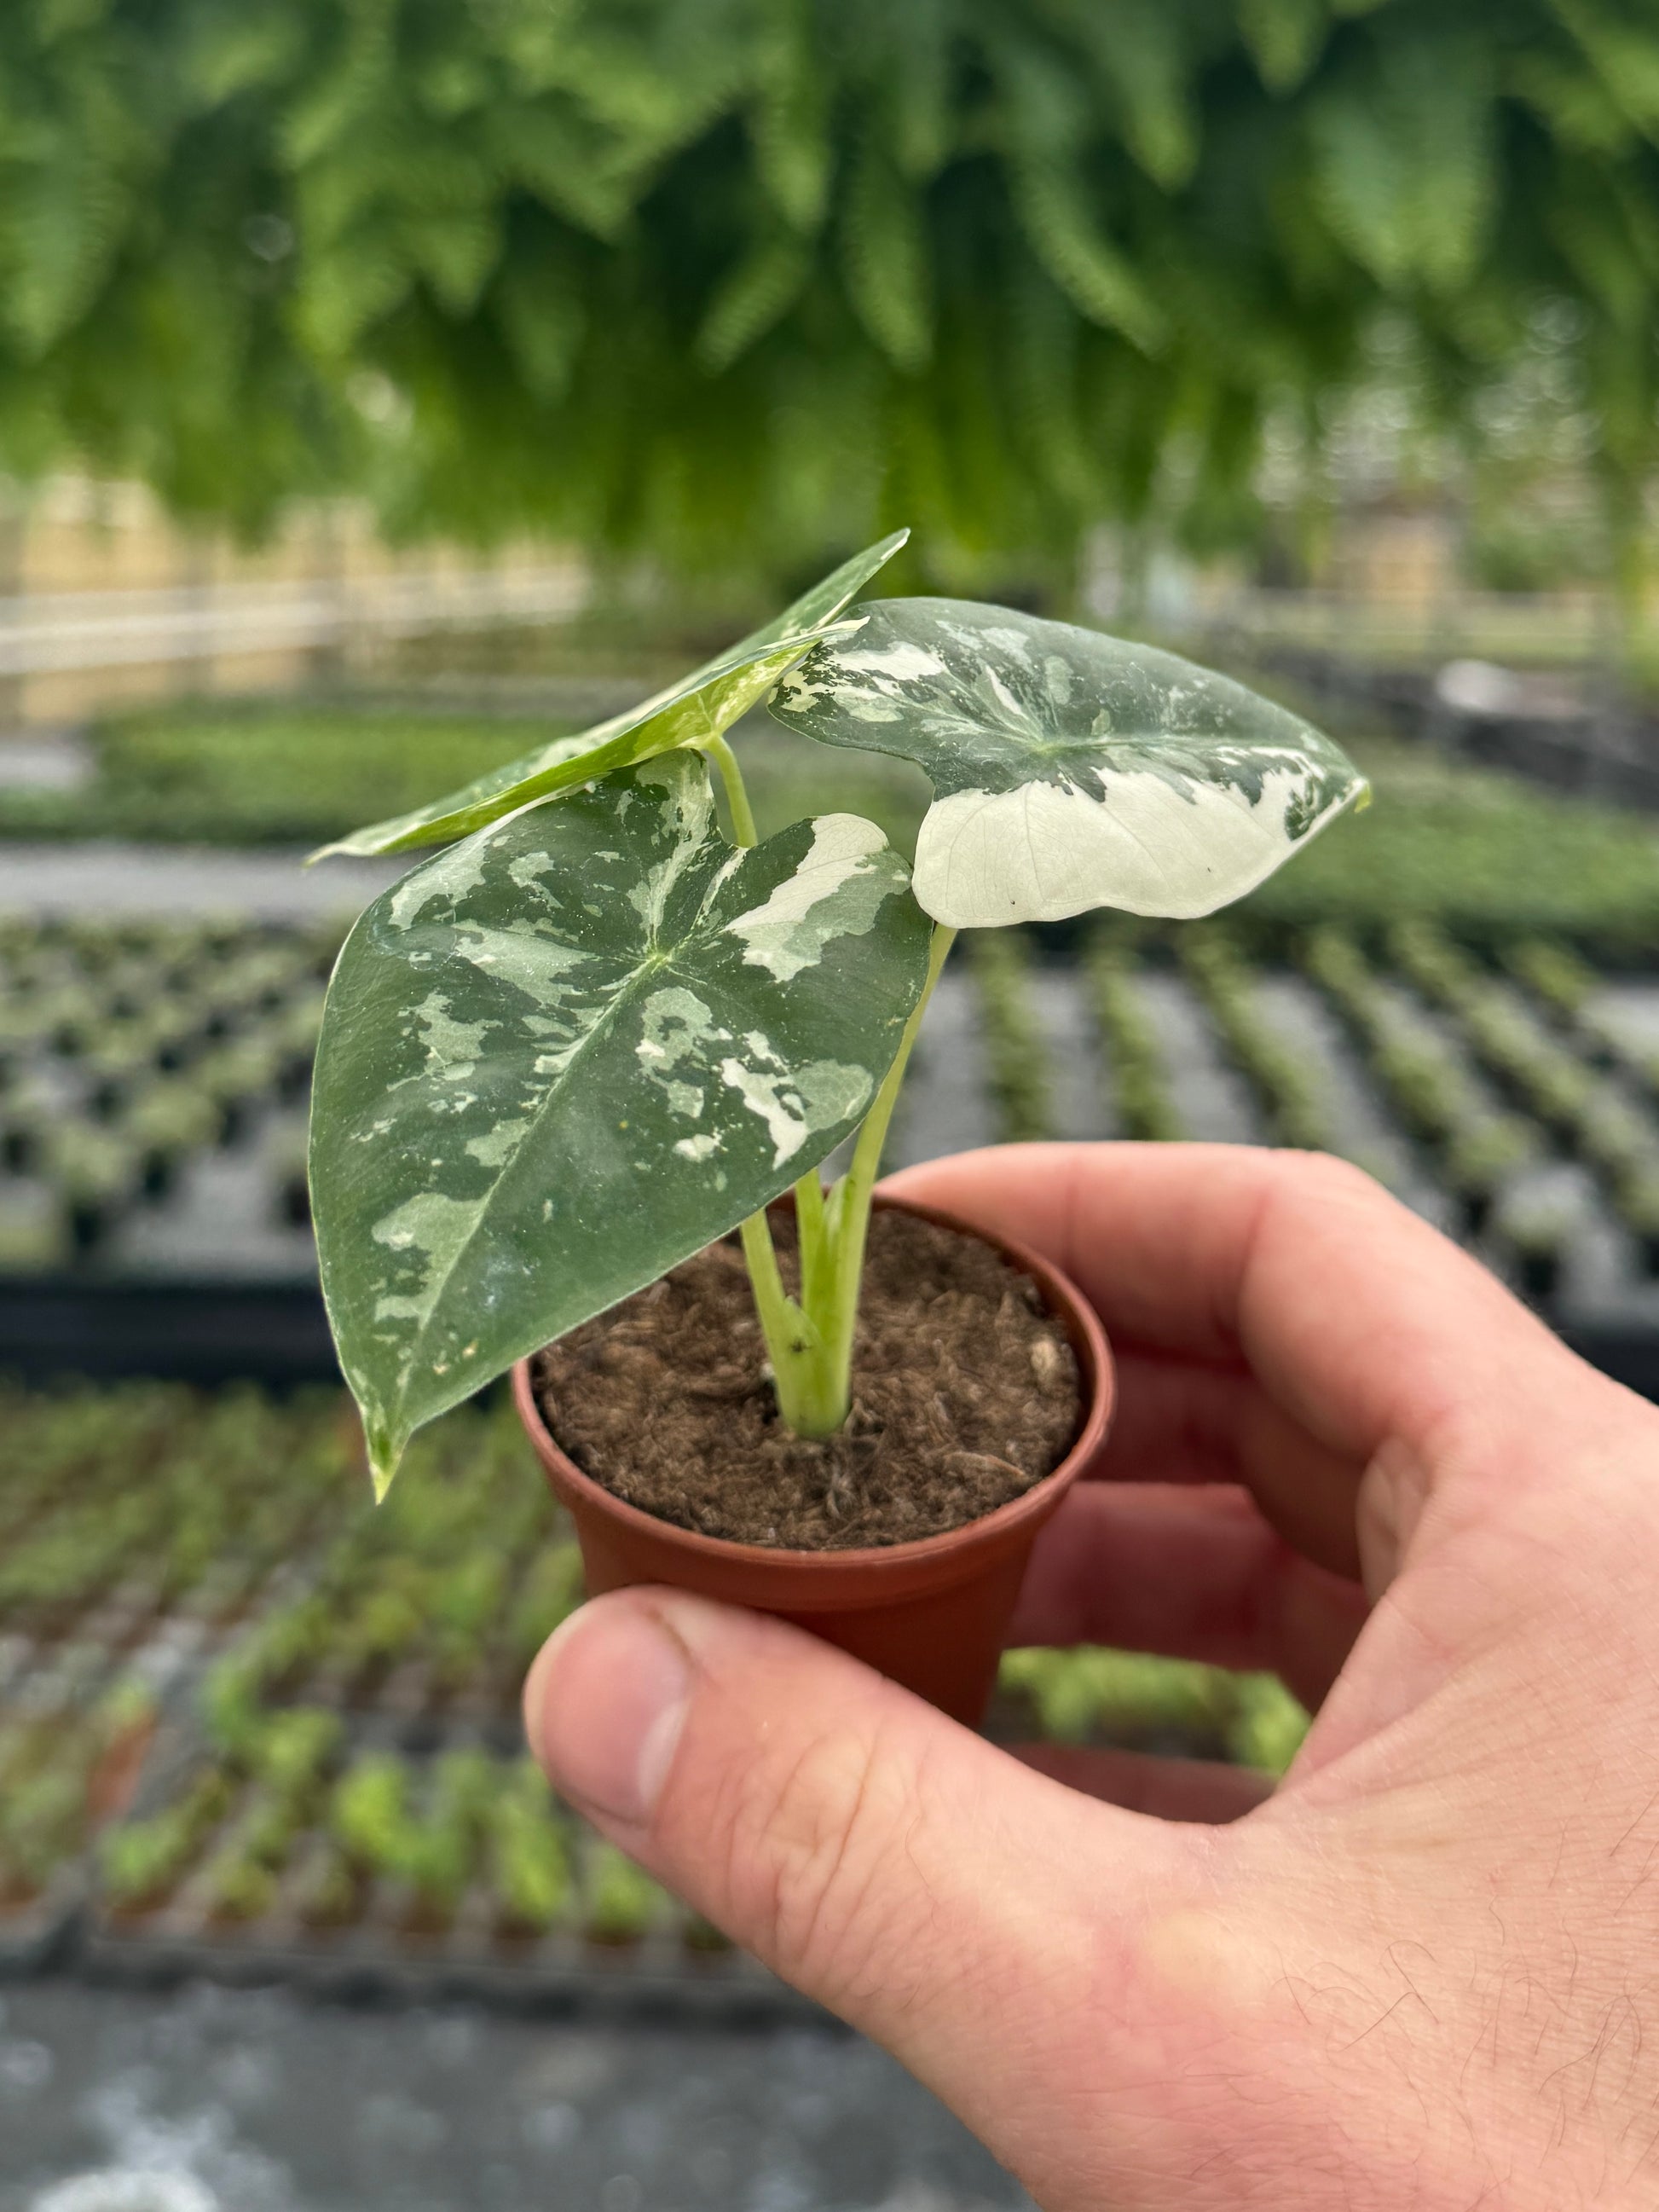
(1064, 1300)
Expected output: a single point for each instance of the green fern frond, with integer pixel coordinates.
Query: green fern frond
(884, 260)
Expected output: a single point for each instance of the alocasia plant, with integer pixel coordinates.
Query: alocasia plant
(594, 1035)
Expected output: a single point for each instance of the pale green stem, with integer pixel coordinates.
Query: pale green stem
(811, 1226)
(793, 1342)
(809, 1341)
(849, 1203)
(737, 794)
(782, 1320)
(814, 1375)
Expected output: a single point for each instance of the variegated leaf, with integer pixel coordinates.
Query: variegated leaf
(700, 706)
(562, 1056)
(1070, 769)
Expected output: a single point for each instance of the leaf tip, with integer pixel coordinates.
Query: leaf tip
(386, 1449)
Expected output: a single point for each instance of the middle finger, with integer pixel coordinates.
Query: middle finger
(1191, 1574)
(1190, 1422)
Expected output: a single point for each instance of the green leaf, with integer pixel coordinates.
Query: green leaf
(886, 261)
(544, 320)
(1284, 37)
(455, 249)
(242, 50)
(1404, 163)
(564, 1055)
(1070, 769)
(1102, 283)
(699, 707)
(762, 286)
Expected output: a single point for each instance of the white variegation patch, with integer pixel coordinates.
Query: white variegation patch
(812, 907)
(900, 663)
(1070, 771)
(1044, 851)
(795, 1105)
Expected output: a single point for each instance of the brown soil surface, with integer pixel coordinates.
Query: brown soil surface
(965, 1392)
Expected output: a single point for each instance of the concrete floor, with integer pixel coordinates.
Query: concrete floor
(222, 2100)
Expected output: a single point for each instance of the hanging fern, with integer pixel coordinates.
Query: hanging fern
(743, 279)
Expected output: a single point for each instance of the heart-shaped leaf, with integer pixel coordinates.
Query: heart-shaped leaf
(699, 707)
(1070, 769)
(560, 1057)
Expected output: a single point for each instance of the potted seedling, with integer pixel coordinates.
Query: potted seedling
(529, 1860)
(1638, 1203)
(595, 1035)
(1538, 1225)
(622, 1904)
(1481, 1155)
(1139, 1082)
(169, 1120)
(141, 1861)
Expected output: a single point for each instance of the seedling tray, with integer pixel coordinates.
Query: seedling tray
(376, 1959)
(51, 1729)
(378, 1950)
(1407, 1053)
(37, 1934)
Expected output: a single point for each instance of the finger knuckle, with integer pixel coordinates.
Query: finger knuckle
(809, 1841)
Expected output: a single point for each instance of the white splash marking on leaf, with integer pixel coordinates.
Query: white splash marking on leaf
(790, 930)
(524, 956)
(687, 810)
(699, 1148)
(527, 869)
(676, 1024)
(999, 692)
(453, 1047)
(1044, 851)
(498, 1144)
(816, 1097)
(900, 662)
(450, 877)
(798, 689)
(433, 1228)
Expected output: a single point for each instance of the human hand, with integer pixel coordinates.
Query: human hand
(1426, 1972)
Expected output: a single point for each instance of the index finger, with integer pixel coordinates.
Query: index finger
(1359, 1319)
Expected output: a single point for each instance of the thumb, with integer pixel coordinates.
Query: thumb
(964, 1911)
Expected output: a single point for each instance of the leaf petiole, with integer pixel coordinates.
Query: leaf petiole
(809, 1341)
(737, 794)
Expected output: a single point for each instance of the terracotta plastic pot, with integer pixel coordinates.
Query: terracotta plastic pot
(931, 1615)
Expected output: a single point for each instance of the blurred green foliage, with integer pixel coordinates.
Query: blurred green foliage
(1479, 853)
(255, 774)
(1482, 852)
(738, 279)
(298, 771)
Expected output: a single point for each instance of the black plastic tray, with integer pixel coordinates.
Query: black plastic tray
(188, 1331)
(277, 1333)
(38, 1934)
(655, 1975)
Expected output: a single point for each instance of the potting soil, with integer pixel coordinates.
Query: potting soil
(965, 1392)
